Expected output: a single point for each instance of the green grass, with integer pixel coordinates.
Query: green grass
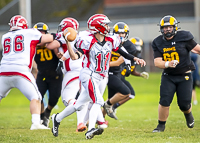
(136, 120)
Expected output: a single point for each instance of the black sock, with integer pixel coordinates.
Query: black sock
(116, 105)
(47, 112)
(161, 122)
(187, 115)
(42, 116)
(108, 102)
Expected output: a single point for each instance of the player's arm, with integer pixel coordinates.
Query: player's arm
(46, 38)
(131, 57)
(117, 63)
(158, 62)
(196, 49)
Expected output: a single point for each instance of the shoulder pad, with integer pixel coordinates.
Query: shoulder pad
(183, 36)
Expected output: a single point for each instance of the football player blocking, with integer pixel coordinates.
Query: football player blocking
(19, 46)
(171, 53)
(96, 46)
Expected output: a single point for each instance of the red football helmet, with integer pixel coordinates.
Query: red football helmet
(97, 23)
(68, 22)
(18, 22)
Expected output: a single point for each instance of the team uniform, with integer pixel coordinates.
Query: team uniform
(115, 83)
(71, 71)
(15, 70)
(129, 46)
(176, 79)
(47, 77)
(94, 74)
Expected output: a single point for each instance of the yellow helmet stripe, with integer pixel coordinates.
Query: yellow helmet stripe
(125, 28)
(116, 28)
(162, 22)
(133, 40)
(45, 27)
(171, 20)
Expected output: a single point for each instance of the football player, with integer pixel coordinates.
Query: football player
(70, 68)
(117, 89)
(19, 47)
(138, 42)
(171, 53)
(96, 46)
(47, 78)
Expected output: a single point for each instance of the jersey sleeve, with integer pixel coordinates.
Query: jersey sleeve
(116, 42)
(157, 53)
(190, 44)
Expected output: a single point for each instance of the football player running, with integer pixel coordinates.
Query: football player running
(171, 53)
(47, 78)
(19, 47)
(138, 42)
(117, 89)
(96, 46)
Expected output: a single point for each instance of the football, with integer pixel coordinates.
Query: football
(70, 34)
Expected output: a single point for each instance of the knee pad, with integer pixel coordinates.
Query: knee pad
(184, 107)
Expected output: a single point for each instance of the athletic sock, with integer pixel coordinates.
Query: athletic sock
(116, 105)
(161, 122)
(94, 111)
(36, 118)
(42, 116)
(66, 112)
(47, 113)
(108, 102)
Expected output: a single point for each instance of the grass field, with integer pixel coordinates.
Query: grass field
(136, 120)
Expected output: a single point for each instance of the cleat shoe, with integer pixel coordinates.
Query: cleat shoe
(38, 127)
(91, 133)
(109, 111)
(55, 125)
(45, 122)
(102, 125)
(81, 127)
(160, 128)
(189, 120)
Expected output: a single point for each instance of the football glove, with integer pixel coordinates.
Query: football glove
(128, 70)
(144, 75)
(59, 67)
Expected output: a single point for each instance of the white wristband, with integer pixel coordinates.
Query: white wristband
(167, 64)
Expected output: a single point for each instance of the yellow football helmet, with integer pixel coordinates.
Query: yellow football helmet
(138, 42)
(41, 27)
(167, 21)
(121, 27)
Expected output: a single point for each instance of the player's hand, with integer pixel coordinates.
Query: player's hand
(171, 64)
(144, 75)
(140, 61)
(60, 54)
(59, 67)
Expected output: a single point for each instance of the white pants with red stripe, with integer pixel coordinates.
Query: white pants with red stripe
(70, 86)
(24, 81)
(94, 87)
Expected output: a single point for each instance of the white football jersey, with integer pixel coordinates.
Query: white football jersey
(69, 64)
(19, 47)
(97, 56)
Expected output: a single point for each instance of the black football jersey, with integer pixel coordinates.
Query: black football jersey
(46, 60)
(130, 47)
(178, 48)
